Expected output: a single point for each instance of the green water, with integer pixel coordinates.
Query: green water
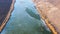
(23, 22)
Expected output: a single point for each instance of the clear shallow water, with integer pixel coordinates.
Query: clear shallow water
(21, 22)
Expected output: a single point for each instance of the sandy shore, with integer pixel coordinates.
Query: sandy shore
(50, 14)
(8, 15)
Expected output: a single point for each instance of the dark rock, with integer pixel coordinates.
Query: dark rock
(4, 9)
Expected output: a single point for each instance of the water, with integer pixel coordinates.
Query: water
(21, 22)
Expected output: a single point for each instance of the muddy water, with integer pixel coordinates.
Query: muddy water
(21, 22)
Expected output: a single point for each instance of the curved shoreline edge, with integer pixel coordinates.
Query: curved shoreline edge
(8, 16)
(50, 26)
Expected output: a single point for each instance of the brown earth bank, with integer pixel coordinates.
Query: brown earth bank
(7, 15)
(49, 11)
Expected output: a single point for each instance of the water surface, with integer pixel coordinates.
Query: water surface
(21, 22)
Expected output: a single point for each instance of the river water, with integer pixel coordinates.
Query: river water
(21, 22)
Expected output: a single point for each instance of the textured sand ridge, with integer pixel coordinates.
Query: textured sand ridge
(49, 12)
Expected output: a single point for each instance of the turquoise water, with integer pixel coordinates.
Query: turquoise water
(21, 22)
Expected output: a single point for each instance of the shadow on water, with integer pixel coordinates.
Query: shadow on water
(25, 20)
(32, 14)
(41, 29)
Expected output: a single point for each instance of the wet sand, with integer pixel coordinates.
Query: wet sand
(3, 23)
(49, 12)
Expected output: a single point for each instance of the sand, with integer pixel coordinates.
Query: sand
(49, 11)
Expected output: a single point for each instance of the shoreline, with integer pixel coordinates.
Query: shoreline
(50, 26)
(8, 16)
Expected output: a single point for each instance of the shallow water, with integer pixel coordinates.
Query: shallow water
(21, 22)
